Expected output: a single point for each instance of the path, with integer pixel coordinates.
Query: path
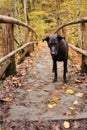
(41, 99)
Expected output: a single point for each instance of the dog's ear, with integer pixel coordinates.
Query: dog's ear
(59, 37)
(46, 39)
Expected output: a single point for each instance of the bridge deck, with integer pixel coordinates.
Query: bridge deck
(40, 99)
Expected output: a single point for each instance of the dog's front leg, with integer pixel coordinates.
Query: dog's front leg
(55, 70)
(65, 71)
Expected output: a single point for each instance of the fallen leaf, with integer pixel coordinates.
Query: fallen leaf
(78, 81)
(79, 94)
(64, 87)
(76, 112)
(46, 90)
(29, 90)
(71, 108)
(69, 91)
(8, 99)
(54, 99)
(76, 86)
(67, 113)
(66, 124)
(75, 102)
(52, 105)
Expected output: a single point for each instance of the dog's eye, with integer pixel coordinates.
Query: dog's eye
(50, 43)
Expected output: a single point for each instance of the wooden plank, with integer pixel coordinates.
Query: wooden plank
(4, 66)
(15, 51)
(78, 50)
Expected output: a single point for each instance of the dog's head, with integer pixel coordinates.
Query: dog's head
(53, 43)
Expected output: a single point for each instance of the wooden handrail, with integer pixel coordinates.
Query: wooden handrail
(7, 19)
(4, 66)
(15, 51)
(81, 51)
(84, 19)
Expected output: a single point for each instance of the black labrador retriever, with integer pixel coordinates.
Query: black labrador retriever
(59, 52)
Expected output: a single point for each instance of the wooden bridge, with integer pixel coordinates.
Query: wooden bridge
(41, 99)
(8, 65)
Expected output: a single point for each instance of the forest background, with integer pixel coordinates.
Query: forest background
(45, 16)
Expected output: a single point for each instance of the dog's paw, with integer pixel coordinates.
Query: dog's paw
(55, 80)
(53, 71)
(65, 81)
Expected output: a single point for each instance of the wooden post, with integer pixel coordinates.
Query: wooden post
(8, 46)
(84, 47)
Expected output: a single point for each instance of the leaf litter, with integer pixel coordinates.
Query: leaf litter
(9, 91)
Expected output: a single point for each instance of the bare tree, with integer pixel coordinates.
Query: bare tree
(79, 25)
(17, 15)
(25, 10)
(58, 12)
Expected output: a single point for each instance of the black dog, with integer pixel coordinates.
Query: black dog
(59, 52)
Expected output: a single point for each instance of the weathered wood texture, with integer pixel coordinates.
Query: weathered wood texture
(8, 46)
(8, 42)
(11, 20)
(15, 51)
(84, 47)
(83, 52)
(4, 66)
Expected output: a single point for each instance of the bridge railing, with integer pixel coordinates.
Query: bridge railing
(83, 50)
(7, 62)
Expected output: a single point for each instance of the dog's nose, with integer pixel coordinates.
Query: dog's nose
(52, 52)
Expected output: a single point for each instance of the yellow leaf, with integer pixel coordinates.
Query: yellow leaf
(54, 99)
(66, 124)
(69, 91)
(51, 105)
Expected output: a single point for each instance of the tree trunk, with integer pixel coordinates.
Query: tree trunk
(25, 11)
(58, 12)
(79, 25)
(33, 4)
(17, 15)
(84, 47)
